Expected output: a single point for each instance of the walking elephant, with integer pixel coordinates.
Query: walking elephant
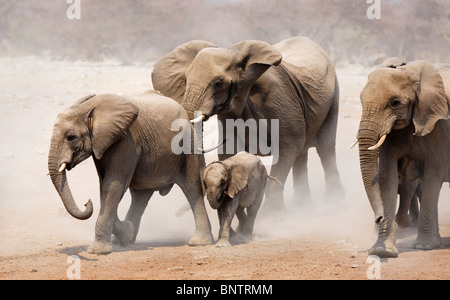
(405, 115)
(130, 142)
(236, 186)
(293, 82)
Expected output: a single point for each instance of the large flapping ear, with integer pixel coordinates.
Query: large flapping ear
(109, 119)
(238, 180)
(432, 103)
(168, 74)
(257, 58)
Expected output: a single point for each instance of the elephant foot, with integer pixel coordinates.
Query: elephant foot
(201, 239)
(384, 249)
(403, 220)
(241, 238)
(223, 242)
(100, 247)
(123, 233)
(427, 242)
(302, 200)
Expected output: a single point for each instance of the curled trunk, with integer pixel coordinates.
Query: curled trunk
(61, 185)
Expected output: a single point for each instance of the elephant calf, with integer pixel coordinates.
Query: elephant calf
(130, 141)
(231, 186)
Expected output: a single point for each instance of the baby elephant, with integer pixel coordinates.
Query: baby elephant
(231, 186)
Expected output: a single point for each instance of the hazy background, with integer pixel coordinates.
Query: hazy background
(144, 30)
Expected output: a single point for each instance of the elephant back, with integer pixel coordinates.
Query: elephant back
(311, 65)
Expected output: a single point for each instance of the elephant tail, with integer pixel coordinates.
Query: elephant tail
(276, 180)
(182, 210)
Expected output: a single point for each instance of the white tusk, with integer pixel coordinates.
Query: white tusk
(354, 144)
(198, 119)
(378, 145)
(62, 168)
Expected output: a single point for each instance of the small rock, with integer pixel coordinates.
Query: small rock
(34, 270)
(175, 269)
(201, 257)
(355, 266)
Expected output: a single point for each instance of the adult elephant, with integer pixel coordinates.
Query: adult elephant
(130, 141)
(293, 82)
(405, 116)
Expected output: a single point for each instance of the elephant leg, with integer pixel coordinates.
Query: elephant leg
(326, 149)
(226, 212)
(385, 244)
(194, 196)
(428, 236)
(406, 190)
(126, 231)
(274, 204)
(242, 217)
(252, 211)
(414, 206)
(334, 190)
(302, 192)
(111, 191)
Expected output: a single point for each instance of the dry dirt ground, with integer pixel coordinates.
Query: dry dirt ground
(39, 239)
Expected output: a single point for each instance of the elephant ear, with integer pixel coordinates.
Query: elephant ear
(257, 58)
(431, 103)
(168, 76)
(238, 180)
(82, 100)
(109, 120)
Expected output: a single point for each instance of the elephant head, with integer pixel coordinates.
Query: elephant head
(88, 127)
(395, 98)
(221, 179)
(203, 77)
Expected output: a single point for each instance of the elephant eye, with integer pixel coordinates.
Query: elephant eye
(70, 137)
(395, 103)
(218, 83)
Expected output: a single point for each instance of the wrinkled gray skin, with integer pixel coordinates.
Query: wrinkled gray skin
(409, 197)
(293, 81)
(409, 191)
(409, 104)
(232, 186)
(130, 142)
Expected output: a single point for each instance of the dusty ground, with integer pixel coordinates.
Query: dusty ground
(322, 241)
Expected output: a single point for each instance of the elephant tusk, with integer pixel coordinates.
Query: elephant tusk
(354, 144)
(198, 119)
(378, 145)
(62, 168)
(214, 148)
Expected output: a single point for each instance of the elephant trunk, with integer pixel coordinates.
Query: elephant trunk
(369, 168)
(195, 100)
(58, 176)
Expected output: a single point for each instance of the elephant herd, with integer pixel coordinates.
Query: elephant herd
(404, 140)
